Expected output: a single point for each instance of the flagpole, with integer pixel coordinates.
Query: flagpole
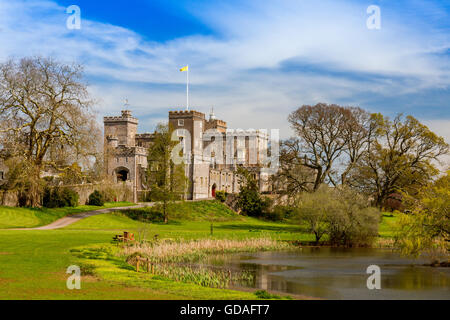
(187, 88)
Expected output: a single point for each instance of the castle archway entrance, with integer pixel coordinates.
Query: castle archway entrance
(122, 174)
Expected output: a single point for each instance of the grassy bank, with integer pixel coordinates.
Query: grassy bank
(185, 261)
(34, 266)
(12, 217)
(173, 262)
(34, 262)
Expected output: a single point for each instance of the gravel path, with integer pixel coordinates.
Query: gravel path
(63, 222)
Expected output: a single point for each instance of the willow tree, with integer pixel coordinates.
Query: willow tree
(426, 229)
(45, 120)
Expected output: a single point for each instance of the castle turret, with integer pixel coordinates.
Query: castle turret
(123, 128)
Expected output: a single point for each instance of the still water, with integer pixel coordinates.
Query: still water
(336, 273)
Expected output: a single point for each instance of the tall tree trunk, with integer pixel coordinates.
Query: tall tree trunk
(165, 211)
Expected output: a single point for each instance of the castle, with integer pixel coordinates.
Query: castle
(211, 152)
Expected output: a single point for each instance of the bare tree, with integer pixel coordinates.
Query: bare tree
(322, 136)
(45, 117)
(359, 131)
(292, 176)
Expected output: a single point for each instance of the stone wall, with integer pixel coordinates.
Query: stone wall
(231, 201)
(113, 191)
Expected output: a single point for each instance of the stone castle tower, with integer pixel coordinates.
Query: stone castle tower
(208, 170)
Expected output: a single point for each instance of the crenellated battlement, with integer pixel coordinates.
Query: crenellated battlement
(126, 116)
(210, 172)
(185, 113)
(146, 135)
(217, 122)
(120, 119)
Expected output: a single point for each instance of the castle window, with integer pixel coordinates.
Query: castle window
(1, 175)
(180, 122)
(117, 159)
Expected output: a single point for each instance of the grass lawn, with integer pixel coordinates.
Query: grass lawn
(387, 226)
(244, 227)
(12, 217)
(33, 262)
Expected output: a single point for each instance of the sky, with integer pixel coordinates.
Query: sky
(254, 62)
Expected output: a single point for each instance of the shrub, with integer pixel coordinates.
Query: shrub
(96, 198)
(69, 197)
(221, 196)
(263, 294)
(59, 198)
(286, 212)
(151, 214)
(274, 215)
(252, 204)
(340, 213)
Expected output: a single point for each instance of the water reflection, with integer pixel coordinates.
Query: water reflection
(335, 273)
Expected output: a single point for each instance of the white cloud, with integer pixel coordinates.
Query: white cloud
(442, 129)
(239, 73)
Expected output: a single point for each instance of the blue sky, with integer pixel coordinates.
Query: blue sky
(253, 61)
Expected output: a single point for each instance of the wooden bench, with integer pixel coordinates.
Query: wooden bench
(125, 237)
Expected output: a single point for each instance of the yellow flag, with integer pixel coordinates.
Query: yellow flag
(184, 68)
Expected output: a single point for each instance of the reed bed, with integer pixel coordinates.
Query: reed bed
(197, 250)
(204, 276)
(181, 260)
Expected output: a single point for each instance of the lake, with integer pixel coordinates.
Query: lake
(337, 273)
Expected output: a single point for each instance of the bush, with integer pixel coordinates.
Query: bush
(59, 198)
(151, 214)
(278, 212)
(221, 196)
(69, 197)
(263, 294)
(274, 215)
(96, 198)
(340, 213)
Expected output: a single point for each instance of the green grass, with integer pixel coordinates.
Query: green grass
(33, 262)
(12, 217)
(386, 228)
(184, 223)
(202, 210)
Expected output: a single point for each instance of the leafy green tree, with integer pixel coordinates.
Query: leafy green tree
(167, 180)
(249, 200)
(427, 228)
(353, 221)
(221, 196)
(399, 158)
(314, 210)
(340, 213)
